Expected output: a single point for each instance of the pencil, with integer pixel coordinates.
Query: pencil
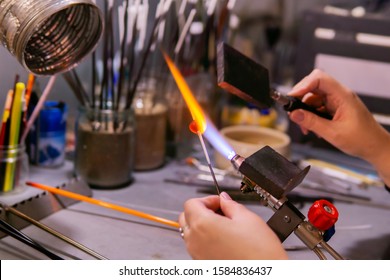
(29, 87)
(6, 113)
(16, 113)
(101, 203)
(16, 116)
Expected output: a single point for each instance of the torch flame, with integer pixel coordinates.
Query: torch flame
(203, 125)
(196, 111)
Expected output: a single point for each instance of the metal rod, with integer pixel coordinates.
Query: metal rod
(319, 253)
(331, 251)
(53, 232)
(209, 163)
(93, 79)
(18, 235)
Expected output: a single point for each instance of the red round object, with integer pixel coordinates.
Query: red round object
(322, 214)
(194, 127)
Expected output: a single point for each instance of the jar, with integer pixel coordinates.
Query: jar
(151, 117)
(14, 168)
(104, 154)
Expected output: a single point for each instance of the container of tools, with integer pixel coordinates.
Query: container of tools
(151, 116)
(104, 154)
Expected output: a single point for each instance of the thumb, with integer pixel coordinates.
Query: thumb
(310, 121)
(229, 207)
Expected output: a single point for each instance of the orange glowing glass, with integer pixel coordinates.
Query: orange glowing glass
(196, 111)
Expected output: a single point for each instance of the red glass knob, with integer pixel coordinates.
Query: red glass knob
(322, 214)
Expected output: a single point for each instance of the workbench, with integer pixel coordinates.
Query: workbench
(362, 232)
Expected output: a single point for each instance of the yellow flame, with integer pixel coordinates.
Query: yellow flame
(196, 111)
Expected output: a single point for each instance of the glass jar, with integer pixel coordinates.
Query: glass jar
(14, 168)
(104, 154)
(151, 117)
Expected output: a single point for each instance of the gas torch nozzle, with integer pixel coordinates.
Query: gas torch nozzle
(236, 161)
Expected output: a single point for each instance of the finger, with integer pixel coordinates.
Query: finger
(230, 208)
(317, 82)
(196, 208)
(304, 131)
(313, 100)
(312, 122)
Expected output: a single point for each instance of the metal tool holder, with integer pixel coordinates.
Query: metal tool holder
(272, 176)
(44, 204)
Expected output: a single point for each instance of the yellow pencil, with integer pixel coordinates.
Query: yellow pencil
(16, 117)
(16, 114)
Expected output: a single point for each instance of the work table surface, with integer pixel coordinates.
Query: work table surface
(362, 232)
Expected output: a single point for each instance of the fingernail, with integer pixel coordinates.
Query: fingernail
(225, 196)
(297, 116)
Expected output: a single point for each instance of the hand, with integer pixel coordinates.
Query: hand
(353, 128)
(237, 234)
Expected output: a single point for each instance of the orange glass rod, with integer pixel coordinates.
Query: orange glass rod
(98, 202)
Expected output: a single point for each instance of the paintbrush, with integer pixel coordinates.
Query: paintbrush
(152, 36)
(103, 90)
(80, 87)
(123, 55)
(72, 84)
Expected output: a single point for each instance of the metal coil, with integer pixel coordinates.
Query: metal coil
(49, 37)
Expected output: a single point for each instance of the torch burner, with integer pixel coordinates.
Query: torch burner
(272, 176)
